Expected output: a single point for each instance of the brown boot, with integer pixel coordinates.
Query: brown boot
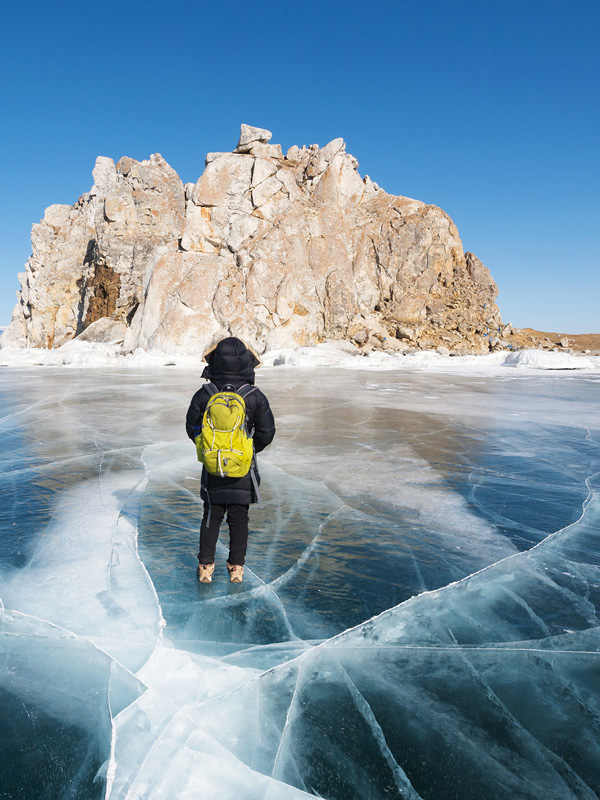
(205, 572)
(236, 572)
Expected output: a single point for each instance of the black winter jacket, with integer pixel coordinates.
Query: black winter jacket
(232, 364)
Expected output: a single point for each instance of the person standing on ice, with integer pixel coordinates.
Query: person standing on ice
(230, 420)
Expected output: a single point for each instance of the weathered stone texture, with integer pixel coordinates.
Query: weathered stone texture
(280, 250)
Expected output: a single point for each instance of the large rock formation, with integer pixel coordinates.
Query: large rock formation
(282, 250)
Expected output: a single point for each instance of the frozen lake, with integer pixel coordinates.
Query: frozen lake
(418, 617)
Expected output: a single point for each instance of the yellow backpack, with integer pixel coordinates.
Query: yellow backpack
(223, 445)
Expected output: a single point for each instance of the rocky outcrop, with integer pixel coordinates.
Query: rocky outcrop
(281, 250)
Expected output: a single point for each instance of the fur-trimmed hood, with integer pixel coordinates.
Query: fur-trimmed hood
(230, 360)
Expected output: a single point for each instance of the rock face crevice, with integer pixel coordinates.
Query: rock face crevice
(104, 289)
(281, 250)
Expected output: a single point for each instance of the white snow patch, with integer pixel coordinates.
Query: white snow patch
(327, 354)
(92, 354)
(333, 354)
(544, 359)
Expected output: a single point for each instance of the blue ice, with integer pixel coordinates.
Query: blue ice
(418, 617)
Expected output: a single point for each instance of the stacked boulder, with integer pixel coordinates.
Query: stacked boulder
(281, 250)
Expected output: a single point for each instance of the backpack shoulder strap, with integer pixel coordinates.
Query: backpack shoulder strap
(245, 390)
(211, 389)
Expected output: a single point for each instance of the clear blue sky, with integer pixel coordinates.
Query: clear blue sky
(487, 109)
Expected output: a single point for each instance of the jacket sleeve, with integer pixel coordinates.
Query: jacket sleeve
(264, 423)
(193, 418)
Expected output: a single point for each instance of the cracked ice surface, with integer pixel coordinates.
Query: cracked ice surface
(418, 617)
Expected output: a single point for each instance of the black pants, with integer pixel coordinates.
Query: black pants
(237, 519)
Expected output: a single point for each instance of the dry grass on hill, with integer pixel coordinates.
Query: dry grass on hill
(577, 342)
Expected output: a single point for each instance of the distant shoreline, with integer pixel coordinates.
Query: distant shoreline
(579, 342)
(531, 338)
